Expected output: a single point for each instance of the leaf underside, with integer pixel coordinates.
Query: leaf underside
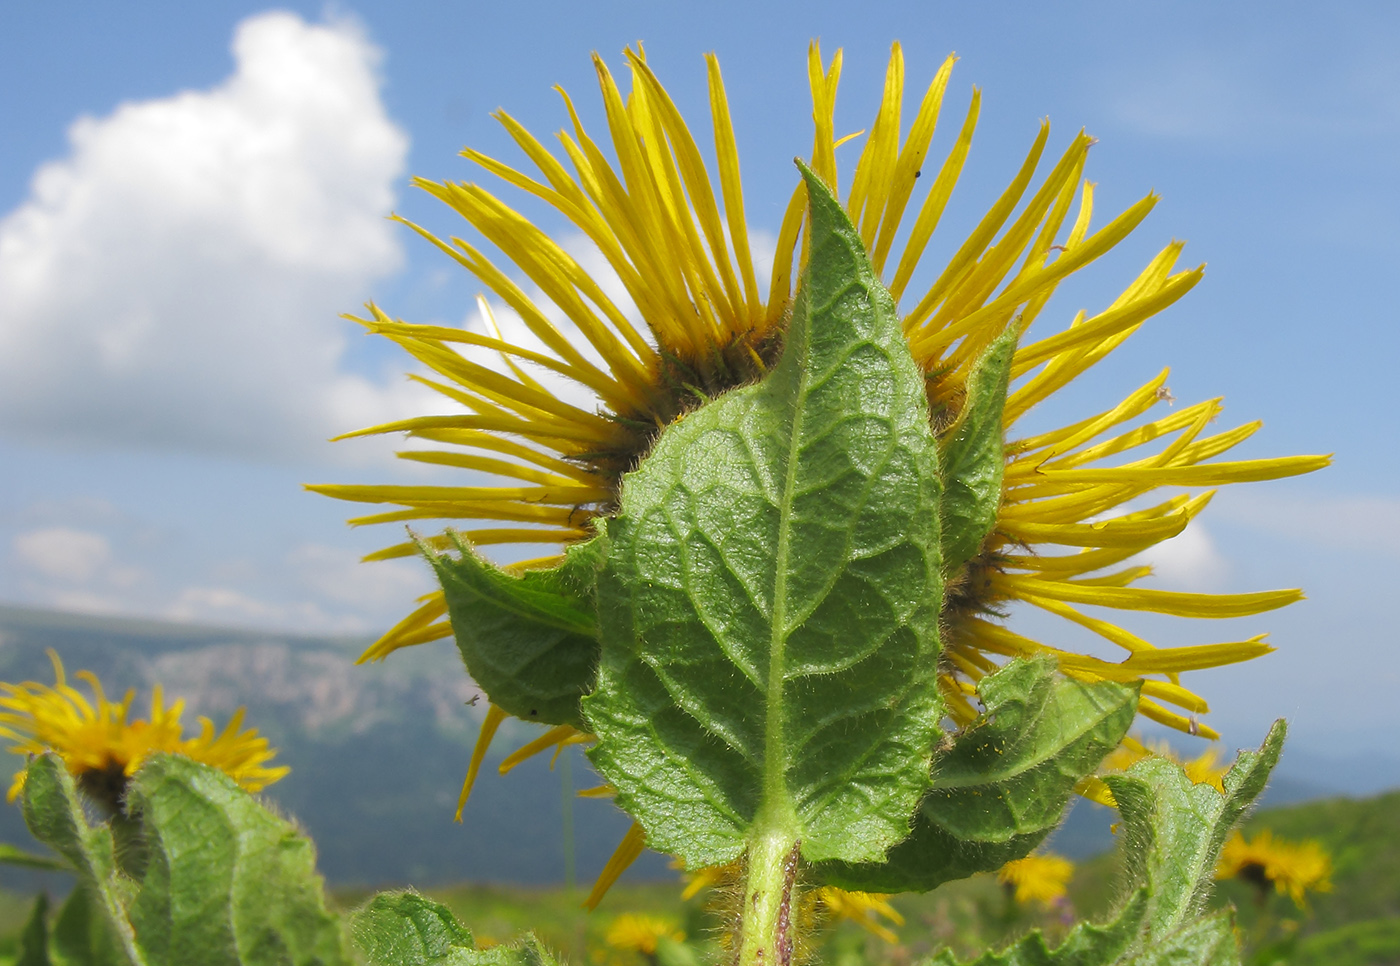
(769, 605)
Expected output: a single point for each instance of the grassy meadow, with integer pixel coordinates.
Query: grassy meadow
(1357, 923)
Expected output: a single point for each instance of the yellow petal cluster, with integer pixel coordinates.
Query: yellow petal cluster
(1295, 868)
(679, 315)
(1037, 878)
(102, 746)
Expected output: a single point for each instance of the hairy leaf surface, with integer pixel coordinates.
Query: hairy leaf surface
(92, 923)
(530, 642)
(226, 881)
(1004, 784)
(769, 606)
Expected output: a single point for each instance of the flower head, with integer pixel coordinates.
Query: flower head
(594, 364)
(102, 748)
(1295, 868)
(1037, 878)
(694, 322)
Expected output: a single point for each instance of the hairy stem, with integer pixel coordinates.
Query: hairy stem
(766, 904)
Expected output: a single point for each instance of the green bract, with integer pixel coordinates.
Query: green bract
(530, 642)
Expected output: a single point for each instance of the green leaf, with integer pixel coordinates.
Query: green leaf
(226, 881)
(406, 929)
(1086, 945)
(81, 936)
(1005, 782)
(973, 458)
(769, 605)
(10, 855)
(1201, 942)
(96, 923)
(530, 642)
(34, 939)
(1172, 829)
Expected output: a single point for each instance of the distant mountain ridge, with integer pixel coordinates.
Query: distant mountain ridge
(377, 751)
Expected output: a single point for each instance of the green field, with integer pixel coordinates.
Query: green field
(1356, 924)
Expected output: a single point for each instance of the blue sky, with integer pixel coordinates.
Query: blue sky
(181, 222)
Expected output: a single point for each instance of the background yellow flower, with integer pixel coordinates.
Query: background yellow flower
(102, 747)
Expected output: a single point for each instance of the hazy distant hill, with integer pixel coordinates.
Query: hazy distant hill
(377, 752)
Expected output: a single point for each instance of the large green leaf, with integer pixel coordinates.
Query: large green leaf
(1003, 785)
(1173, 830)
(769, 606)
(92, 924)
(973, 457)
(530, 641)
(406, 929)
(226, 881)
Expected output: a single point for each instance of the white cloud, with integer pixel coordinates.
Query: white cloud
(1189, 561)
(175, 280)
(338, 575)
(1353, 523)
(63, 553)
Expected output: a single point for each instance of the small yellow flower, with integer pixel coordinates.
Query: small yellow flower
(635, 932)
(1295, 868)
(1037, 878)
(102, 748)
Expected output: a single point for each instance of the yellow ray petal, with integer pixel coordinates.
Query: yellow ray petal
(554, 736)
(627, 851)
(492, 721)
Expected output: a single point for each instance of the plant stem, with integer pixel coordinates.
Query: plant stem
(766, 904)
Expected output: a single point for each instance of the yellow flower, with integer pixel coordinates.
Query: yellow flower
(102, 748)
(1296, 868)
(692, 322)
(635, 932)
(1037, 878)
